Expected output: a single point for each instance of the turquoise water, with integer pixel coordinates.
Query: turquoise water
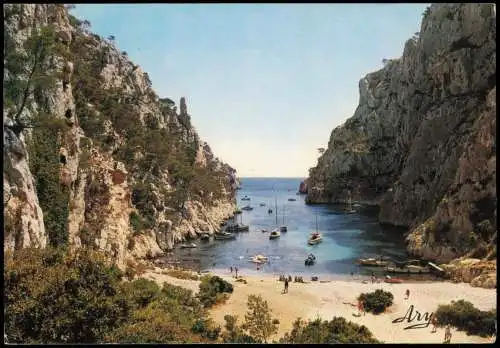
(346, 237)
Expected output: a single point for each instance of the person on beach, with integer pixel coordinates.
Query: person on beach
(231, 268)
(447, 334)
(236, 271)
(285, 291)
(434, 324)
(407, 294)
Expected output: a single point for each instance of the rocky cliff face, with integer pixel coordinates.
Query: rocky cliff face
(421, 143)
(92, 157)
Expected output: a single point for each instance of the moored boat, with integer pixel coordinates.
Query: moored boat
(262, 204)
(260, 259)
(310, 260)
(247, 207)
(274, 234)
(292, 199)
(315, 239)
(246, 198)
(205, 236)
(237, 228)
(224, 236)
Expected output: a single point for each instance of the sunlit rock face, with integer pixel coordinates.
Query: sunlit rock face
(116, 197)
(421, 143)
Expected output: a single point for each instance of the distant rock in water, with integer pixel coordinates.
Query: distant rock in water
(303, 187)
(421, 143)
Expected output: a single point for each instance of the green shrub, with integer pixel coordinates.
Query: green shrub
(376, 302)
(181, 274)
(136, 223)
(258, 320)
(213, 289)
(465, 317)
(338, 330)
(234, 333)
(140, 292)
(51, 297)
(45, 166)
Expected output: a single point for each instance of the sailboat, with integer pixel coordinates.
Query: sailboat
(350, 208)
(275, 233)
(283, 228)
(315, 237)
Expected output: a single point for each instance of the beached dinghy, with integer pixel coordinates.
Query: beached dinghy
(373, 262)
(186, 246)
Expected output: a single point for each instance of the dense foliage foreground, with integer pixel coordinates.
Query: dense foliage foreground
(52, 296)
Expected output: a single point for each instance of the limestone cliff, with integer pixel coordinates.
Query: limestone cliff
(92, 156)
(421, 143)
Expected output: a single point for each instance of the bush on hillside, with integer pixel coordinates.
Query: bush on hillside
(51, 297)
(258, 320)
(376, 302)
(213, 289)
(465, 317)
(338, 330)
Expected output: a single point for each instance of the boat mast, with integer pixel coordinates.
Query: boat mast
(283, 215)
(276, 207)
(316, 220)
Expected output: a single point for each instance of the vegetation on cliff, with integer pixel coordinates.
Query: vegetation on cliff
(72, 97)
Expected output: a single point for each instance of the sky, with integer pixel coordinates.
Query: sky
(265, 84)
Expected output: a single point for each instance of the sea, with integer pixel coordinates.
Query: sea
(346, 236)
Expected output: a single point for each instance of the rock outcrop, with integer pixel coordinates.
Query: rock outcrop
(421, 143)
(303, 187)
(92, 157)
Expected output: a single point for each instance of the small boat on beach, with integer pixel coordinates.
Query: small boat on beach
(390, 280)
(186, 246)
(205, 236)
(224, 236)
(409, 269)
(310, 260)
(373, 262)
(274, 234)
(247, 207)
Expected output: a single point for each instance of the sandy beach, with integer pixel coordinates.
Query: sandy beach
(330, 299)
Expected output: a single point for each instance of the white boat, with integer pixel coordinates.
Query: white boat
(350, 209)
(274, 234)
(283, 228)
(315, 237)
(260, 259)
(224, 235)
